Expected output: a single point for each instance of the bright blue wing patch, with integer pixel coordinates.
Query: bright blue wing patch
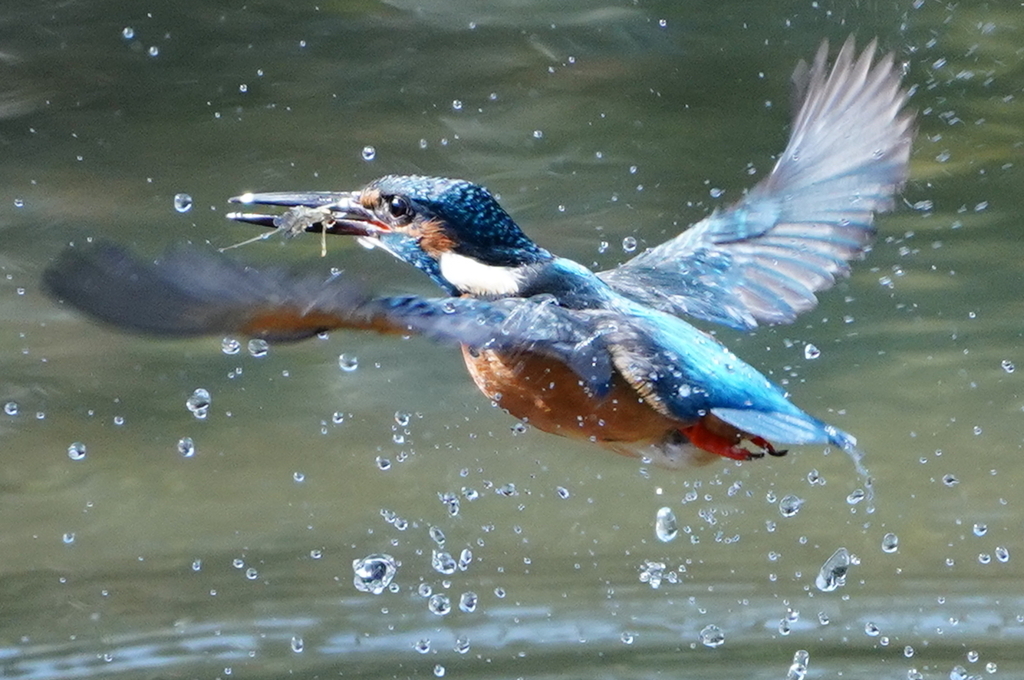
(763, 259)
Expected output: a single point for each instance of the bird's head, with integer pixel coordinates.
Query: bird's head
(453, 230)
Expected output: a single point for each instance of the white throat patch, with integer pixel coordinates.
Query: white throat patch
(475, 277)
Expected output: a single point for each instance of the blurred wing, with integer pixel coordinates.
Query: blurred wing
(763, 259)
(190, 292)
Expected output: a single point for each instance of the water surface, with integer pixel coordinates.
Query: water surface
(595, 123)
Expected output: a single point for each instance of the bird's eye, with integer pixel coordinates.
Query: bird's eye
(399, 206)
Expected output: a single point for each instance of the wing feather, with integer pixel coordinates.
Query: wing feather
(194, 292)
(763, 259)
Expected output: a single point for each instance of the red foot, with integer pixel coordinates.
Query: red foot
(703, 438)
(767, 446)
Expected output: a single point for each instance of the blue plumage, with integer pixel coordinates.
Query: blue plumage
(497, 240)
(604, 356)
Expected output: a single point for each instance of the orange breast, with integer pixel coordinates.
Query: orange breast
(548, 395)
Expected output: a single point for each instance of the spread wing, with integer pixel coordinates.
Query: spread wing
(192, 292)
(763, 259)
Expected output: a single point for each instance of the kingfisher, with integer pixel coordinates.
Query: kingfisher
(603, 356)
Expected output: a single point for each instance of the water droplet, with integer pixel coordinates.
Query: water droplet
(711, 636)
(1008, 366)
(186, 447)
(562, 492)
(507, 490)
(369, 153)
(451, 502)
(871, 629)
(374, 573)
(182, 203)
(538, 134)
(908, 651)
(230, 346)
(666, 528)
(457, 104)
(437, 535)
(716, 193)
(629, 244)
(950, 480)
(422, 645)
(811, 352)
(890, 543)
(959, 673)
(439, 671)
(153, 51)
(68, 538)
(465, 559)
(443, 562)
(199, 403)
(128, 33)
(467, 601)
(252, 574)
(798, 669)
(197, 565)
(347, 362)
(258, 347)
(299, 477)
(652, 573)
(790, 505)
(11, 408)
(297, 644)
(19, 202)
(1002, 554)
(76, 451)
(461, 644)
(439, 604)
(832, 574)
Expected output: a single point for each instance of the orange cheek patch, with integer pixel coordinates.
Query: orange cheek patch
(370, 198)
(434, 238)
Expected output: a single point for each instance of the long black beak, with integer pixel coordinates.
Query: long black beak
(332, 212)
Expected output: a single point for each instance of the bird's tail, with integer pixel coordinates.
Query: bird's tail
(800, 428)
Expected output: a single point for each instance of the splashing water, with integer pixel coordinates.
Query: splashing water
(832, 574)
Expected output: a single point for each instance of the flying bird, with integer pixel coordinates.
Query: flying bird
(600, 356)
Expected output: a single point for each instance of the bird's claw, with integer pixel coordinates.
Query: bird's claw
(708, 440)
(766, 447)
